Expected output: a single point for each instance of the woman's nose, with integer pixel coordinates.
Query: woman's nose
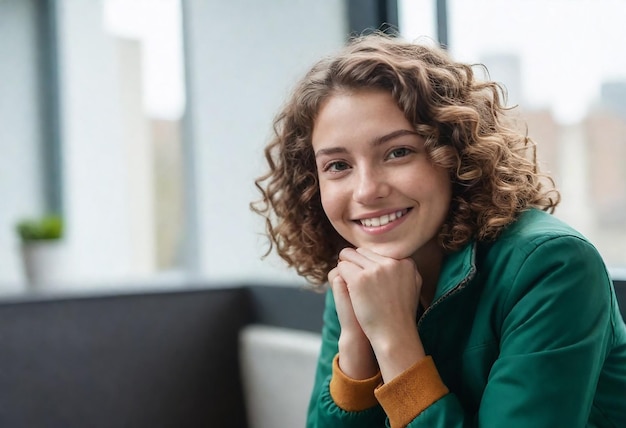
(370, 186)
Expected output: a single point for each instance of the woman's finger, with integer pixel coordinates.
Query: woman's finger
(353, 256)
(334, 272)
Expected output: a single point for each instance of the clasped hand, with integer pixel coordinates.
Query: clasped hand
(376, 298)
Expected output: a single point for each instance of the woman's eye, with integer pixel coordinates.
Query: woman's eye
(336, 166)
(399, 152)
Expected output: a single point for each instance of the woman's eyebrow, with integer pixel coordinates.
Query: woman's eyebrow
(392, 135)
(375, 142)
(330, 151)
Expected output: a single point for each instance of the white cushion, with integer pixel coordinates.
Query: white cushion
(278, 367)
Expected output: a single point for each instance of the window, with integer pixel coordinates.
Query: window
(149, 38)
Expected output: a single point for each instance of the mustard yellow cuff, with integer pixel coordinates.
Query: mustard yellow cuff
(411, 392)
(350, 394)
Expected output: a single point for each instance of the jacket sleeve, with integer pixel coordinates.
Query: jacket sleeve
(554, 328)
(323, 411)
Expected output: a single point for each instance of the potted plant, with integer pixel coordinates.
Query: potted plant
(41, 241)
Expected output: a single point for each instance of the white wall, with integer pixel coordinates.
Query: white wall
(94, 156)
(139, 157)
(94, 166)
(21, 190)
(244, 57)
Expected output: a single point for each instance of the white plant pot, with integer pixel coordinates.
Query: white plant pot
(43, 263)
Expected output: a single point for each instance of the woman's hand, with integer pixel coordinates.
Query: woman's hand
(356, 358)
(383, 294)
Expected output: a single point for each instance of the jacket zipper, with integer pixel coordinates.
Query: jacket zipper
(457, 288)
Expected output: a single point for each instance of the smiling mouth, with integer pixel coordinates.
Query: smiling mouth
(383, 219)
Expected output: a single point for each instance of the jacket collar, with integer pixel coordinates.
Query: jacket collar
(457, 269)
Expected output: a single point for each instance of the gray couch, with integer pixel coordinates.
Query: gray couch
(150, 359)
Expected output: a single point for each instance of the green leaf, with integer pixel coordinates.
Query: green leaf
(45, 228)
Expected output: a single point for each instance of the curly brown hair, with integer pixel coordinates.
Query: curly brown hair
(492, 165)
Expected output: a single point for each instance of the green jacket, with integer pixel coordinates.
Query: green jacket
(524, 331)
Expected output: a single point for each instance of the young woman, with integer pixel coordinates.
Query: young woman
(456, 299)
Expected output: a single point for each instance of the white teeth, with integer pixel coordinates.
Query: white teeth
(382, 220)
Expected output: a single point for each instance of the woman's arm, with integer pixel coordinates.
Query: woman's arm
(554, 335)
(323, 410)
(554, 329)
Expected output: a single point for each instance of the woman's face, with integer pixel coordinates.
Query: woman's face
(378, 187)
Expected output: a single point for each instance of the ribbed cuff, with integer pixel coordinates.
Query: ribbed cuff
(410, 393)
(352, 395)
